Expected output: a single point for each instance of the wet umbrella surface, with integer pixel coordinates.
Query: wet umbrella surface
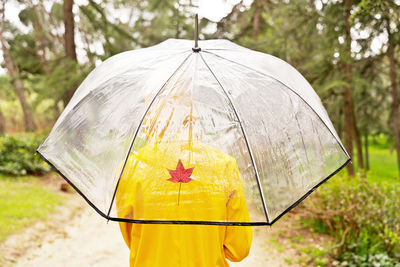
(218, 135)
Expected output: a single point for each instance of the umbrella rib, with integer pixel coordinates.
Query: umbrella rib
(137, 130)
(245, 139)
(250, 68)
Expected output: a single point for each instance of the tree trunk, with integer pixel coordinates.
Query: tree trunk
(340, 123)
(366, 150)
(348, 97)
(395, 95)
(69, 41)
(2, 123)
(348, 125)
(28, 118)
(357, 139)
(256, 20)
(13, 71)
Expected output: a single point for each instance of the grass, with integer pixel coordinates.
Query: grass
(288, 261)
(298, 239)
(24, 201)
(277, 244)
(314, 225)
(383, 162)
(318, 255)
(383, 166)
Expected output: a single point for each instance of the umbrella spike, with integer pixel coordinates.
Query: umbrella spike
(196, 47)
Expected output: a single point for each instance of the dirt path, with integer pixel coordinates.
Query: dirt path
(78, 236)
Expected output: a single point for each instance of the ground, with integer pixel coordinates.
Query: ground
(75, 235)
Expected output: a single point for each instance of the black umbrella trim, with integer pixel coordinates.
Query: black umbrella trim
(191, 222)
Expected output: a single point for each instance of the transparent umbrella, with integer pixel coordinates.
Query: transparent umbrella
(216, 134)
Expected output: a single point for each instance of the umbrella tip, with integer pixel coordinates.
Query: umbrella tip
(196, 47)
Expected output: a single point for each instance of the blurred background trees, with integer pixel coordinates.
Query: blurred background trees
(348, 50)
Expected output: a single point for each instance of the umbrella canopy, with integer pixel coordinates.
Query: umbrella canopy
(167, 130)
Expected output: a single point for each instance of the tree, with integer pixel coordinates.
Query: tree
(69, 41)
(256, 19)
(13, 71)
(395, 91)
(383, 16)
(95, 24)
(348, 96)
(2, 123)
(35, 15)
(317, 43)
(169, 19)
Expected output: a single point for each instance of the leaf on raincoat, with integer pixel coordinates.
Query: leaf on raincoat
(180, 174)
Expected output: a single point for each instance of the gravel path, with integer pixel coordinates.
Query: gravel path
(78, 236)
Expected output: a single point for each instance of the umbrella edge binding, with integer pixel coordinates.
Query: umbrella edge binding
(192, 222)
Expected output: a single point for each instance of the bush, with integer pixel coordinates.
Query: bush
(18, 155)
(378, 260)
(363, 218)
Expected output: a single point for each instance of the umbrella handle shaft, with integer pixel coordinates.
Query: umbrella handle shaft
(196, 47)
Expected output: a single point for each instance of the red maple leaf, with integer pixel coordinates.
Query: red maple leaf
(180, 174)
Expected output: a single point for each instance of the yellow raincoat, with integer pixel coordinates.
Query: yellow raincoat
(214, 193)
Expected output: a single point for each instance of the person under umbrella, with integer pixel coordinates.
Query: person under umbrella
(175, 177)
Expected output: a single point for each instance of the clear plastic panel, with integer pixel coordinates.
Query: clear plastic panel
(124, 63)
(192, 123)
(91, 139)
(281, 71)
(294, 150)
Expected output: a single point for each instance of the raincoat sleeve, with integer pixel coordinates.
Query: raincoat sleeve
(124, 200)
(237, 238)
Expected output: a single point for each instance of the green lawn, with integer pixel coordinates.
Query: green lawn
(383, 163)
(23, 201)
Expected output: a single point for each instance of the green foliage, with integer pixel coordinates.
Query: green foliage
(363, 217)
(24, 49)
(18, 156)
(97, 23)
(6, 88)
(354, 260)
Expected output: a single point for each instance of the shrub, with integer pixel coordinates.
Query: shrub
(379, 260)
(363, 218)
(18, 157)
